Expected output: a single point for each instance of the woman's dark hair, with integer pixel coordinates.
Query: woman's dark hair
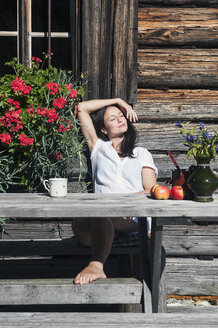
(130, 136)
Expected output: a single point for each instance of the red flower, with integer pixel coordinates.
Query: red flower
(30, 110)
(59, 102)
(41, 111)
(24, 141)
(5, 138)
(73, 92)
(52, 115)
(50, 53)
(19, 86)
(38, 60)
(62, 128)
(2, 96)
(71, 125)
(53, 87)
(12, 121)
(13, 102)
(58, 155)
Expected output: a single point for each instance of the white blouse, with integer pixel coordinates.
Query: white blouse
(113, 175)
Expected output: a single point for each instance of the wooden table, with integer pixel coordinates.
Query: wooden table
(117, 205)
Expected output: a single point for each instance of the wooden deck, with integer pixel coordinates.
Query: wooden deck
(121, 320)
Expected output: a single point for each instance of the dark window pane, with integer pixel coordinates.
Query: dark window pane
(61, 48)
(8, 15)
(60, 18)
(8, 47)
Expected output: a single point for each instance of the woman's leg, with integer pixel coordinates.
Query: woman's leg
(99, 234)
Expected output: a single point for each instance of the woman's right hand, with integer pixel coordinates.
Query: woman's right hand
(128, 110)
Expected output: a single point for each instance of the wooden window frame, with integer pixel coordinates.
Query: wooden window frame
(25, 35)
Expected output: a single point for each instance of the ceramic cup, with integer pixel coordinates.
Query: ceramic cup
(57, 187)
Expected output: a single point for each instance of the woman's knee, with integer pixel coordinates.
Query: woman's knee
(124, 225)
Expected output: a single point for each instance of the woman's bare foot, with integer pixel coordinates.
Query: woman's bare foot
(92, 272)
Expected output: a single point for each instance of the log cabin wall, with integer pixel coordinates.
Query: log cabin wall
(177, 74)
(178, 81)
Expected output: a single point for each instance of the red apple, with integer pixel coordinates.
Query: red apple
(177, 192)
(161, 192)
(153, 189)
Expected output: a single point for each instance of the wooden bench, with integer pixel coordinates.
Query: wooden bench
(121, 320)
(63, 291)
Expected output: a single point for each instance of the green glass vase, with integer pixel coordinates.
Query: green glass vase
(203, 181)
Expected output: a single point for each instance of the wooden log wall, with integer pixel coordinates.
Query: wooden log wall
(177, 74)
(178, 81)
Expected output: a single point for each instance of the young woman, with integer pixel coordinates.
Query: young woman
(118, 166)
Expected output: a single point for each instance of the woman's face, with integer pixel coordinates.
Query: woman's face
(115, 123)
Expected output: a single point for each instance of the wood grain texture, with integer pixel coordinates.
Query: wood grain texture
(67, 320)
(186, 276)
(164, 135)
(191, 240)
(63, 291)
(124, 75)
(177, 68)
(102, 205)
(109, 48)
(192, 3)
(90, 45)
(185, 26)
(177, 104)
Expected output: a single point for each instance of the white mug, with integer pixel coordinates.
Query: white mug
(57, 187)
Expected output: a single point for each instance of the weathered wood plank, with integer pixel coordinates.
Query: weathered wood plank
(164, 135)
(183, 104)
(102, 205)
(177, 68)
(191, 240)
(109, 48)
(186, 276)
(90, 45)
(185, 26)
(63, 291)
(194, 3)
(77, 319)
(106, 45)
(124, 75)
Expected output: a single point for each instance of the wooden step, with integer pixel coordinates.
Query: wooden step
(63, 291)
(121, 320)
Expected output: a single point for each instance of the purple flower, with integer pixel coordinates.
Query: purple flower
(190, 138)
(205, 135)
(178, 124)
(201, 126)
